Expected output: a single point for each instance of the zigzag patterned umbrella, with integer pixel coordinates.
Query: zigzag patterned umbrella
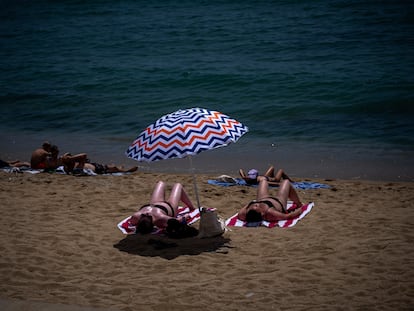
(185, 133)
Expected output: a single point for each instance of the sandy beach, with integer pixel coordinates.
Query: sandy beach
(60, 246)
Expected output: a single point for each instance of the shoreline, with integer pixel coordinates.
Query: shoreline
(297, 160)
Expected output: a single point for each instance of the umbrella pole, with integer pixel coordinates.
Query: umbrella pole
(195, 183)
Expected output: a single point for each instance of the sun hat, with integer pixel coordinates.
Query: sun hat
(253, 173)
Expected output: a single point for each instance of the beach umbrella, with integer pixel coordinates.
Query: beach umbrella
(185, 133)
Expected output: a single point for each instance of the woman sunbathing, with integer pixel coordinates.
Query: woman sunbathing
(253, 178)
(268, 208)
(163, 213)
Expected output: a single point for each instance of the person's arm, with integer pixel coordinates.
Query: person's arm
(273, 215)
(186, 199)
(161, 220)
(242, 213)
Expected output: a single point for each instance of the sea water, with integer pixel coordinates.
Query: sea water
(325, 87)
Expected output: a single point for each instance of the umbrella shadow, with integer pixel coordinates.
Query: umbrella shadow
(161, 246)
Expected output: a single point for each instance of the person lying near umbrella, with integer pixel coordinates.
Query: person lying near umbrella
(253, 178)
(268, 208)
(162, 213)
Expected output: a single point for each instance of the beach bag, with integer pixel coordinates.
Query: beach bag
(210, 224)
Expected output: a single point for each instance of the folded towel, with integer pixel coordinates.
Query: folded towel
(234, 221)
(304, 185)
(126, 227)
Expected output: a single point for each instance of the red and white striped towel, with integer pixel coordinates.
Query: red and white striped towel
(306, 208)
(126, 227)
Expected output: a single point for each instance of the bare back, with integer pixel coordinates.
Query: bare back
(39, 158)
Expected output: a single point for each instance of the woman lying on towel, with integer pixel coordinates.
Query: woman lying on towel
(73, 166)
(162, 213)
(269, 208)
(253, 178)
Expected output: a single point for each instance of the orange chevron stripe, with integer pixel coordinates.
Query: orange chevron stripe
(229, 124)
(188, 126)
(178, 142)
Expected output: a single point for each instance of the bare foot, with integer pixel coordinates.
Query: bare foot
(132, 169)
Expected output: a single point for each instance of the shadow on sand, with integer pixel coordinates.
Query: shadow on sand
(153, 245)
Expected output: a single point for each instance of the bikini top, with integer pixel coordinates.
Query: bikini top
(268, 203)
(161, 207)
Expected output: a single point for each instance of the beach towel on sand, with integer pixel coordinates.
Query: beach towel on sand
(306, 208)
(227, 181)
(127, 228)
(59, 170)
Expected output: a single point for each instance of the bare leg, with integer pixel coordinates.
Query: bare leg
(270, 171)
(158, 195)
(116, 169)
(242, 174)
(285, 176)
(286, 191)
(178, 194)
(70, 162)
(281, 174)
(18, 163)
(263, 189)
(89, 166)
(80, 159)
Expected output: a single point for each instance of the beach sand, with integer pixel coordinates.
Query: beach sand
(60, 246)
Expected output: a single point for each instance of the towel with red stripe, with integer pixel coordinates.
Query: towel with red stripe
(306, 208)
(192, 216)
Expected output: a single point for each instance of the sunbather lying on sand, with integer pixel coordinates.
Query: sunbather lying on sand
(253, 178)
(269, 208)
(162, 213)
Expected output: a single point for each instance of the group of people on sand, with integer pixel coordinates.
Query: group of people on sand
(47, 158)
(162, 212)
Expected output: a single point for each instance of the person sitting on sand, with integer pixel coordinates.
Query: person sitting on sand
(269, 208)
(47, 158)
(42, 157)
(162, 213)
(253, 178)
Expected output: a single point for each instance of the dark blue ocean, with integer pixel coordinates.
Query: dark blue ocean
(325, 87)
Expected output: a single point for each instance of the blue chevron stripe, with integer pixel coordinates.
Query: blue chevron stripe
(234, 132)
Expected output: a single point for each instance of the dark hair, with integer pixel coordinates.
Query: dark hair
(46, 145)
(144, 224)
(54, 149)
(253, 216)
